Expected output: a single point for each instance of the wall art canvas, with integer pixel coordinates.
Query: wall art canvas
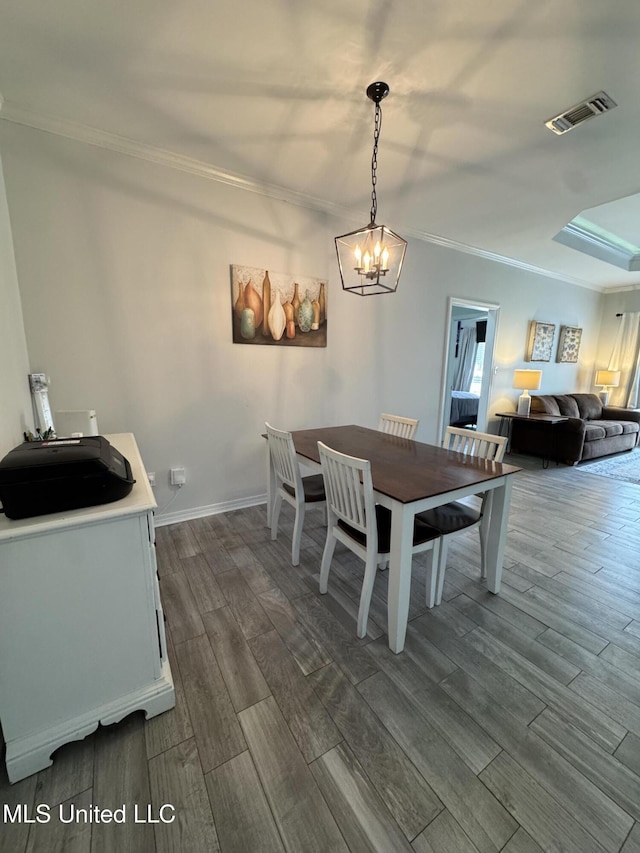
(540, 343)
(569, 344)
(277, 309)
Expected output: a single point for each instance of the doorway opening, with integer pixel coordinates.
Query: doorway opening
(468, 363)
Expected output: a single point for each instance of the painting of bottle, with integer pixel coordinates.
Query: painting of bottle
(269, 308)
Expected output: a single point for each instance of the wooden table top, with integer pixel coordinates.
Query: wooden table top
(401, 468)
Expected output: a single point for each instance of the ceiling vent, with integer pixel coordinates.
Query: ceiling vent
(579, 113)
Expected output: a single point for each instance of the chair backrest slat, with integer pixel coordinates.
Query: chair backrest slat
(349, 488)
(484, 445)
(396, 425)
(283, 456)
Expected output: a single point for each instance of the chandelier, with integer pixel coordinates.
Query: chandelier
(370, 259)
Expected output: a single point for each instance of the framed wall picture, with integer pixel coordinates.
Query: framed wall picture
(540, 343)
(277, 309)
(569, 344)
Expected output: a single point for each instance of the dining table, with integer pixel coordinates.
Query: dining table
(410, 477)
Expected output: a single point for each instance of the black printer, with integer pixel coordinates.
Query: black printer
(39, 477)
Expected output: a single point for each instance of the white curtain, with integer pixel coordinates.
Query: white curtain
(626, 358)
(466, 359)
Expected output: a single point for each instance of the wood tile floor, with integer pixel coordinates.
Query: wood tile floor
(510, 722)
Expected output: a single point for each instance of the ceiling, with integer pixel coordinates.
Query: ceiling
(271, 95)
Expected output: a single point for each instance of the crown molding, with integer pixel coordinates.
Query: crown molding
(623, 288)
(498, 259)
(163, 157)
(153, 154)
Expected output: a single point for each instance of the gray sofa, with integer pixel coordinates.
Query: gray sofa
(591, 429)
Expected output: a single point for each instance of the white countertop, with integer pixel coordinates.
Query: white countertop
(140, 499)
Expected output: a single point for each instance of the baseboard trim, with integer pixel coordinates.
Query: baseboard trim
(211, 509)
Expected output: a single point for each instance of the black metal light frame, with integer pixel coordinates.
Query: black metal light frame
(370, 259)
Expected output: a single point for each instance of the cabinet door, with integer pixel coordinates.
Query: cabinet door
(78, 624)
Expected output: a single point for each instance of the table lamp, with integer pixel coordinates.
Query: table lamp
(607, 379)
(525, 381)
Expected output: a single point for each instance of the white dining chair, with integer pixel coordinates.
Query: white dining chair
(455, 517)
(301, 492)
(354, 519)
(402, 427)
(396, 425)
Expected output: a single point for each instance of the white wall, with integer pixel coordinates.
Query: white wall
(124, 276)
(15, 401)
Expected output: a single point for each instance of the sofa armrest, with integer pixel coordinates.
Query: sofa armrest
(576, 426)
(619, 413)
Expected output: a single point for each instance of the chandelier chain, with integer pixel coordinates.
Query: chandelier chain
(374, 162)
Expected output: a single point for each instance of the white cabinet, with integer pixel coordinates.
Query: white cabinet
(82, 636)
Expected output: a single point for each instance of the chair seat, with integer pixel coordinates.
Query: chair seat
(421, 532)
(450, 517)
(313, 487)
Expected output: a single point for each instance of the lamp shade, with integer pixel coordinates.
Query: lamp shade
(527, 380)
(607, 378)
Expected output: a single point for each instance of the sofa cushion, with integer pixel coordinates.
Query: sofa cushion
(589, 406)
(610, 428)
(594, 430)
(545, 404)
(616, 444)
(629, 427)
(567, 405)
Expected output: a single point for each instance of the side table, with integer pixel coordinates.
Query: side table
(507, 419)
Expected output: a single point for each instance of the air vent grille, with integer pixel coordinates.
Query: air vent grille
(595, 105)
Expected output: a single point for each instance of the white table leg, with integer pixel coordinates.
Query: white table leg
(497, 534)
(399, 575)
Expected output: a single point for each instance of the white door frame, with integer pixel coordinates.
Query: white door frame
(493, 314)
